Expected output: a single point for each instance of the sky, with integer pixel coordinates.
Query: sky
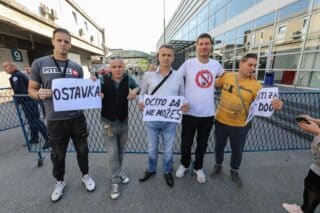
(130, 24)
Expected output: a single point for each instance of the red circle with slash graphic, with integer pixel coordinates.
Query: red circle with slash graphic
(204, 79)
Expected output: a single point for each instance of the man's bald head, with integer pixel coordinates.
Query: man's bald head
(9, 67)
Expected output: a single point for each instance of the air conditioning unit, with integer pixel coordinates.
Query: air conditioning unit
(81, 32)
(54, 14)
(296, 35)
(44, 9)
(91, 38)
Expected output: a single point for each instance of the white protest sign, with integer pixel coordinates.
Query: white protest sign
(262, 104)
(75, 94)
(162, 108)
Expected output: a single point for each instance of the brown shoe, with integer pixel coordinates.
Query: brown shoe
(216, 169)
(235, 178)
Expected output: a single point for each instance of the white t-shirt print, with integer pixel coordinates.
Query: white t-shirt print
(199, 85)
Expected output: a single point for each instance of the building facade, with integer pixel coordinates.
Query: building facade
(284, 34)
(26, 29)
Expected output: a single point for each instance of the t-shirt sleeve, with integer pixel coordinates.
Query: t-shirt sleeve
(81, 72)
(182, 69)
(144, 85)
(220, 69)
(132, 83)
(220, 79)
(35, 72)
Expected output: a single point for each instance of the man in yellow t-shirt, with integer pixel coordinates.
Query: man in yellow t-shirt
(238, 91)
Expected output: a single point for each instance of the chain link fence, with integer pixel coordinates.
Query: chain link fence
(279, 132)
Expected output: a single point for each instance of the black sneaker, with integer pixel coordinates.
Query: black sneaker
(216, 169)
(235, 178)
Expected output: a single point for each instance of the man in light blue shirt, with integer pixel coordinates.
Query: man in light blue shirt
(172, 86)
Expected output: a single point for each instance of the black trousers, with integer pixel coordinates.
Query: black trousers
(59, 133)
(32, 114)
(311, 192)
(191, 125)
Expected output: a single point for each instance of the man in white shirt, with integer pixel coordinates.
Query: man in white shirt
(173, 85)
(199, 74)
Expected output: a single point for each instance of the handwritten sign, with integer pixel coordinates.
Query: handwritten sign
(262, 104)
(162, 108)
(75, 94)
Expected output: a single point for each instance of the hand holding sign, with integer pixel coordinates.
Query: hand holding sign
(44, 93)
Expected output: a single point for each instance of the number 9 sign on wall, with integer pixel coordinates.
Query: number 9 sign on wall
(16, 55)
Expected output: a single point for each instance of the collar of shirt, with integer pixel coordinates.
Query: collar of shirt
(158, 71)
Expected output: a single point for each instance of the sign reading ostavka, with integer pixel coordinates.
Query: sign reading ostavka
(75, 94)
(262, 104)
(162, 108)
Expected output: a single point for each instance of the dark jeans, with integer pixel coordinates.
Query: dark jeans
(191, 124)
(237, 136)
(311, 192)
(31, 111)
(60, 133)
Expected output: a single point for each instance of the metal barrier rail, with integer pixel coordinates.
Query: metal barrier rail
(278, 132)
(8, 113)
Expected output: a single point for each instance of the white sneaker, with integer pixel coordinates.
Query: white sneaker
(88, 183)
(201, 177)
(57, 192)
(124, 178)
(115, 193)
(181, 170)
(292, 208)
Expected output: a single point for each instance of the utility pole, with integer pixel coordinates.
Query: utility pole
(164, 21)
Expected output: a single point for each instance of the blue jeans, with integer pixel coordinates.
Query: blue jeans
(237, 136)
(167, 130)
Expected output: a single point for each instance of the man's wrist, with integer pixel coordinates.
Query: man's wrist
(38, 96)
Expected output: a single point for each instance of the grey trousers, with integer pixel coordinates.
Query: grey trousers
(117, 138)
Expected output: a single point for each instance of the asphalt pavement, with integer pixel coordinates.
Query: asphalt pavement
(269, 178)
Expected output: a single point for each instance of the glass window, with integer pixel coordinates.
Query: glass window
(219, 40)
(285, 61)
(264, 20)
(316, 4)
(313, 42)
(285, 77)
(220, 3)
(244, 29)
(310, 61)
(203, 27)
(75, 17)
(178, 35)
(212, 7)
(86, 26)
(235, 7)
(193, 35)
(230, 36)
(309, 79)
(193, 23)
(185, 30)
(220, 16)
(315, 80)
(294, 9)
(203, 14)
(212, 22)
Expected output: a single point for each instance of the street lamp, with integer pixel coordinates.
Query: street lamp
(164, 21)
